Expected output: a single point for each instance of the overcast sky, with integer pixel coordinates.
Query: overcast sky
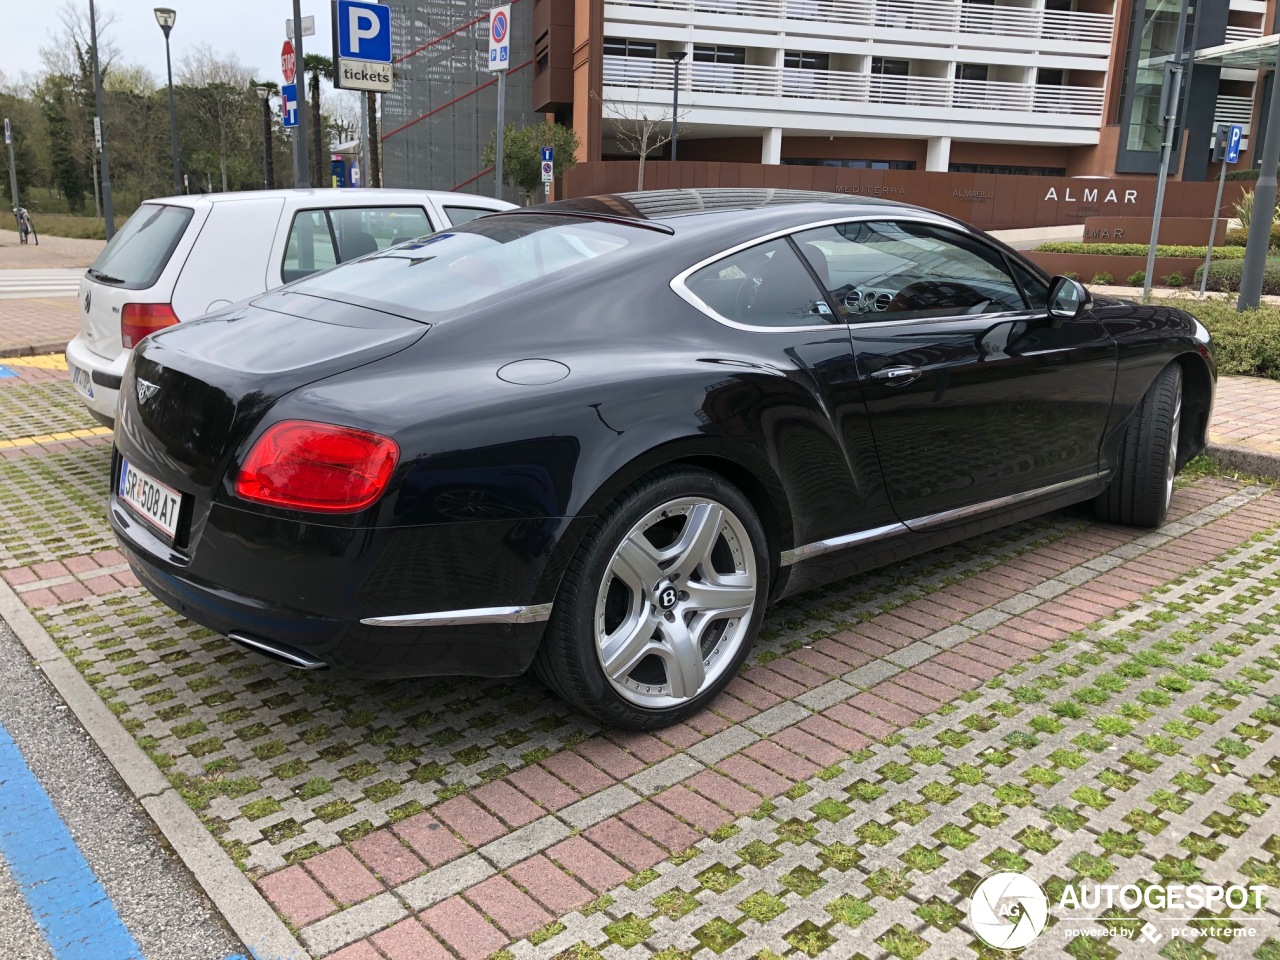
(251, 29)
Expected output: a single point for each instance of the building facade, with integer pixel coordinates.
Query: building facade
(1062, 88)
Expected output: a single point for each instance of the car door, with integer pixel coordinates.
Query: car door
(972, 391)
(821, 444)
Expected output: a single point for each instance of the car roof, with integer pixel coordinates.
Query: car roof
(336, 197)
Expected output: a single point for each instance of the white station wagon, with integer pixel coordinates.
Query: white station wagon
(178, 258)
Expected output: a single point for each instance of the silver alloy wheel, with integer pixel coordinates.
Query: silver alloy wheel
(1171, 470)
(675, 603)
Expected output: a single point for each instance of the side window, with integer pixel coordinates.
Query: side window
(310, 246)
(765, 286)
(1033, 288)
(460, 215)
(361, 231)
(885, 270)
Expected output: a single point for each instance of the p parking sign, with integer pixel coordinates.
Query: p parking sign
(362, 45)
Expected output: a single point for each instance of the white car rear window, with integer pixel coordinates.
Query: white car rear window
(141, 248)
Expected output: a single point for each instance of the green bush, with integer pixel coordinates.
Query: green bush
(1103, 279)
(1174, 279)
(1244, 210)
(1238, 238)
(1247, 343)
(1224, 276)
(1071, 275)
(1139, 250)
(1137, 278)
(1243, 174)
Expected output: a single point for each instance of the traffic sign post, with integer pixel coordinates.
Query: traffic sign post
(499, 61)
(301, 158)
(289, 104)
(1226, 149)
(362, 45)
(13, 170)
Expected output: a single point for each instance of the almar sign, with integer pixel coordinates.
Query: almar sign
(1090, 195)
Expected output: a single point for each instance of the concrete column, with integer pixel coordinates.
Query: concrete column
(938, 156)
(771, 147)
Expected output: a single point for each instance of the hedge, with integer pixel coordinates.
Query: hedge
(1224, 276)
(1139, 250)
(1247, 343)
(1238, 238)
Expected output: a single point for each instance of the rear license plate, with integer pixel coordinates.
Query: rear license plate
(80, 378)
(155, 502)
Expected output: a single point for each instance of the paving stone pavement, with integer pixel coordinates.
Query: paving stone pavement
(1081, 701)
(37, 325)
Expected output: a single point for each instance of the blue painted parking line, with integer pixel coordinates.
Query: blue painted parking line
(69, 905)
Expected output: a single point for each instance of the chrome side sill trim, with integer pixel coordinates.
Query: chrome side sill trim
(810, 550)
(456, 618)
(963, 513)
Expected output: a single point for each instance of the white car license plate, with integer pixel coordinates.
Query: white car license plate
(155, 502)
(80, 378)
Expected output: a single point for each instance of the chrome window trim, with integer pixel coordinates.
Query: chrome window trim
(455, 618)
(927, 522)
(680, 289)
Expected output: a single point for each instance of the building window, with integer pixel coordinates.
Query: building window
(1051, 78)
(850, 164)
(1154, 38)
(617, 47)
(883, 67)
(971, 71)
(799, 60)
(709, 54)
(1006, 170)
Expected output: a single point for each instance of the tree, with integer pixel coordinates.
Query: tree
(317, 67)
(639, 128)
(68, 174)
(269, 171)
(373, 174)
(219, 102)
(522, 154)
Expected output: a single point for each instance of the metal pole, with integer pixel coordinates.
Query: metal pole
(1172, 71)
(1264, 205)
(502, 100)
(302, 176)
(266, 143)
(675, 106)
(107, 212)
(1217, 208)
(173, 119)
(13, 176)
(364, 140)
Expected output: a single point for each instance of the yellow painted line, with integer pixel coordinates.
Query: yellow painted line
(47, 361)
(62, 437)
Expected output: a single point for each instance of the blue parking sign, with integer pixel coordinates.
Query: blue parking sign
(1234, 136)
(363, 30)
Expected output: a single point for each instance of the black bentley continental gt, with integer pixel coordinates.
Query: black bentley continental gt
(598, 436)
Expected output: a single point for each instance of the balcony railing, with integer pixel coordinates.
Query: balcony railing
(945, 16)
(843, 86)
(1242, 33)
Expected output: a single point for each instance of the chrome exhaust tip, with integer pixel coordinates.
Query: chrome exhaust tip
(279, 652)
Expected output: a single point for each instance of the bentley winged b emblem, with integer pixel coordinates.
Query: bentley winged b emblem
(146, 389)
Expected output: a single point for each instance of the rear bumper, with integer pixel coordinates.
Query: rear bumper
(104, 378)
(456, 642)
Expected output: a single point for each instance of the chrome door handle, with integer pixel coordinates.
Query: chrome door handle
(897, 373)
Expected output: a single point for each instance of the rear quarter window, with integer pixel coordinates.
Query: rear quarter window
(140, 250)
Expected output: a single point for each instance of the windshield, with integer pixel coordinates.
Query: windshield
(140, 249)
(462, 265)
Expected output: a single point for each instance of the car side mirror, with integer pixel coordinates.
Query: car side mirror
(1067, 300)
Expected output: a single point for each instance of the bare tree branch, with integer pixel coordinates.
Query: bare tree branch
(639, 128)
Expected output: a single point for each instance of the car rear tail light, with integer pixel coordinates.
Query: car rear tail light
(303, 465)
(139, 319)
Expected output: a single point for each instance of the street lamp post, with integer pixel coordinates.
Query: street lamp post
(166, 17)
(676, 56)
(268, 173)
(107, 212)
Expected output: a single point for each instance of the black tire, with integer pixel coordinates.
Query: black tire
(1142, 486)
(571, 658)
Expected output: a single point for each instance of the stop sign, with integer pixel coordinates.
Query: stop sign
(287, 62)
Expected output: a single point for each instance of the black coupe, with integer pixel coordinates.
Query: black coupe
(598, 436)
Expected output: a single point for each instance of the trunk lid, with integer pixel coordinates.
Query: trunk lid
(194, 392)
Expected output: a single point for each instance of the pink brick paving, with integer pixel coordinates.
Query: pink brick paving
(37, 325)
(609, 852)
